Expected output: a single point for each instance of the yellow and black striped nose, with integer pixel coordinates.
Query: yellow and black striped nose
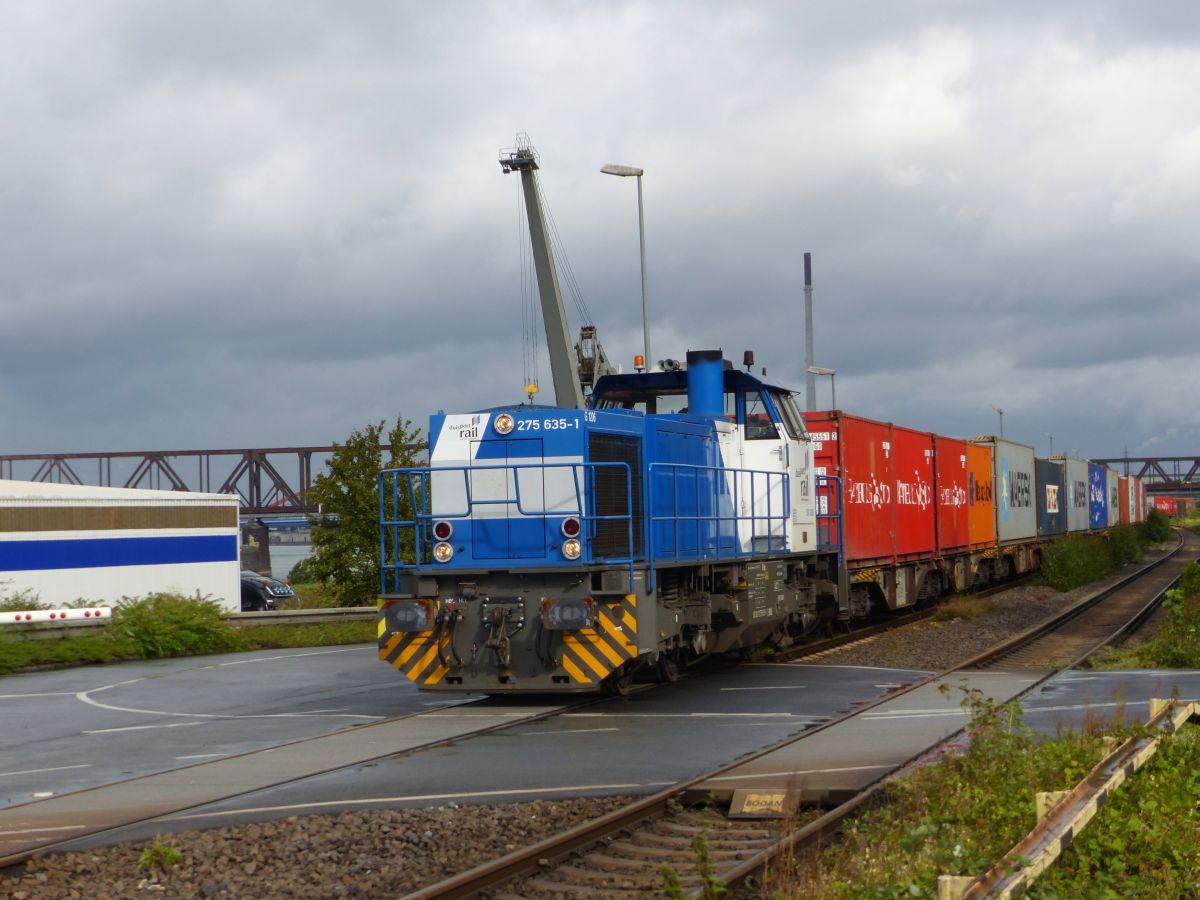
(592, 654)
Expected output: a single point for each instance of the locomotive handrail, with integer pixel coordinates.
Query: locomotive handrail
(419, 481)
(833, 519)
(720, 487)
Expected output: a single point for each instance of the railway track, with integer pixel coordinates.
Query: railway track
(623, 854)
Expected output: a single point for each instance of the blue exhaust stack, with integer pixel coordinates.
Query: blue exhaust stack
(706, 383)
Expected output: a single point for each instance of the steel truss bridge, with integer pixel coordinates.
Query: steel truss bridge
(1161, 474)
(270, 481)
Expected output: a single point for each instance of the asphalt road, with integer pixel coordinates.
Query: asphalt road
(62, 731)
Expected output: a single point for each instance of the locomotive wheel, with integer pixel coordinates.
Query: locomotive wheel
(669, 670)
(620, 682)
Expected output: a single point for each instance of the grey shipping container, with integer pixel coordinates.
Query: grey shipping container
(1114, 497)
(1078, 508)
(1051, 497)
(1016, 509)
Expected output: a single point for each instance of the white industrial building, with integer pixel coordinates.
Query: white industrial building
(66, 542)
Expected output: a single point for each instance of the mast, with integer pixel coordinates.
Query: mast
(563, 367)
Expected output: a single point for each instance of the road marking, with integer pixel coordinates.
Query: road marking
(771, 687)
(83, 697)
(43, 830)
(200, 756)
(571, 731)
(570, 790)
(51, 769)
(801, 665)
(695, 715)
(913, 714)
(801, 772)
(45, 694)
(142, 727)
(243, 662)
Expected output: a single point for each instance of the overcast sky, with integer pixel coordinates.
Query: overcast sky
(267, 224)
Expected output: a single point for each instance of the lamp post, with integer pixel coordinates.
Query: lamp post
(821, 370)
(1051, 437)
(626, 172)
(1000, 413)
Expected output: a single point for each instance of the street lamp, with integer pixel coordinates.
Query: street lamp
(1000, 413)
(821, 370)
(1051, 437)
(627, 172)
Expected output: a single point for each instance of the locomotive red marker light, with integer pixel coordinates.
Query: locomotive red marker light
(570, 527)
(443, 530)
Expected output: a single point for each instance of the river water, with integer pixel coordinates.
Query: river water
(284, 556)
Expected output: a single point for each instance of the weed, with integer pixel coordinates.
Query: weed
(164, 625)
(159, 855)
(20, 601)
(966, 606)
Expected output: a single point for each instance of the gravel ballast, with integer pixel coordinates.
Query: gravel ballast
(375, 853)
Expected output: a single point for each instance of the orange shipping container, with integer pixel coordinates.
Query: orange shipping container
(981, 496)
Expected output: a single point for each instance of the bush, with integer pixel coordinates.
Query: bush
(1157, 527)
(1076, 559)
(173, 625)
(1125, 545)
(303, 572)
(21, 601)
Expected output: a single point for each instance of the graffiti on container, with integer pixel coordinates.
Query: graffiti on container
(952, 496)
(914, 493)
(1079, 495)
(871, 493)
(1052, 498)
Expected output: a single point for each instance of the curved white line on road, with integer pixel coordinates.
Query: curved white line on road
(82, 697)
(257, 659)
(570, 790)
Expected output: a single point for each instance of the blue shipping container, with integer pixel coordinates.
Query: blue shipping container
(1098, 495)
(1051, 497)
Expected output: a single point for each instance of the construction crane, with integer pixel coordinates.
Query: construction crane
(570, 378)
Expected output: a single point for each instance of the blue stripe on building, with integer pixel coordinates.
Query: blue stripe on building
(92, 553)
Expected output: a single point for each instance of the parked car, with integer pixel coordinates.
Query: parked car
(261, 592)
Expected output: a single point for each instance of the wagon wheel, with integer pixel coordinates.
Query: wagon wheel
(668, 667)
(620, 682)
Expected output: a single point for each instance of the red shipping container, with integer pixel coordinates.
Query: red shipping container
(952, 479)
(916, 512)
(858, 451)
(1123, 500)
(1166, 505)
(981, 496)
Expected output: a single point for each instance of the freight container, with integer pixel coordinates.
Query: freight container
(1114, 497)
(1168, 506)
(1051, 497)
(1142, 508)
(1016, 509)
(952, 482)
(916, 513)
(981, 496)
(1077, 500)
(1123, 494)
(858, 452)
(1097, 496)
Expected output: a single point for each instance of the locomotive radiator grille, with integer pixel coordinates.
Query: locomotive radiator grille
(415, 654)
(592, 654)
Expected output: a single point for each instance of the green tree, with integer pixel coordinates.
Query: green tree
(346, 534)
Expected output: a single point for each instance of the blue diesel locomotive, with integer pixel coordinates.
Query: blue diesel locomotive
(561, 549)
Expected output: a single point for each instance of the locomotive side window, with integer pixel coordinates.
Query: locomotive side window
(759, 426)
(792, 420)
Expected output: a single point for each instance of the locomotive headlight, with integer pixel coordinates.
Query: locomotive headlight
(504, 423)
(443, 552)
(571, 548)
